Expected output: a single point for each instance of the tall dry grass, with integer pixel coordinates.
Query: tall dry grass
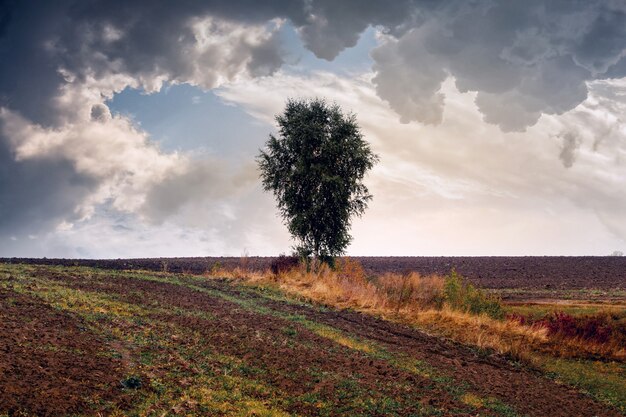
(408, 298)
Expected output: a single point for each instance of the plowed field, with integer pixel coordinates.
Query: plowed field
(84, 341)
(558, 272)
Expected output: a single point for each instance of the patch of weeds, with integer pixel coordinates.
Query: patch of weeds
(499, 407)
(9, 301)
(317, 374)
(313, 400)
(138, 321)
(290, 331)
(339, 337)
(192, 313)
(248, 371)
(131, 382)
(146, 357)
(115, 354)
(604, 381)
(158, 386)
(472, 400)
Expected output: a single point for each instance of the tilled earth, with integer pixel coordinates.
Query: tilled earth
(48, 361)
(539, 272)
(85, 341)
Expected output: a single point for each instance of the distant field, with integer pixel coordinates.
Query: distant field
(84, 341)
(592, 277)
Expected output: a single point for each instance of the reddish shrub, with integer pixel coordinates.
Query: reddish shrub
(560, 323)
(601, 328)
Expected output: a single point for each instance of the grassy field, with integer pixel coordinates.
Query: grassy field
(84, 341)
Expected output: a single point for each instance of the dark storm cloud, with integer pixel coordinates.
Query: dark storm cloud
(331, 26)
(145, 40)
(536, 55)
(523, 59)
(61, 60)
(38, 193)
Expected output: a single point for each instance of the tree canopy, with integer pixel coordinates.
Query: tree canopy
(315, 167)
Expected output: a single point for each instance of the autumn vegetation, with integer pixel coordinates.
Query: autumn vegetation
(586, 349)
(447, 305)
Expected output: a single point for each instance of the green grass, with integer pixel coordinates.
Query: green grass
(605, 381)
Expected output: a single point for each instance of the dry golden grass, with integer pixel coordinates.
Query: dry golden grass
(567, 347)
(411, 299)
(503, 336)
(419, 300)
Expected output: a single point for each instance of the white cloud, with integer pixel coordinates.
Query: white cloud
(465, 187)
(117, 157)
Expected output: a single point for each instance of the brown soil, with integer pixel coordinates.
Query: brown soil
(493, 376)
(50, 364)
(547, 273)
(261, 342)
(287, 366)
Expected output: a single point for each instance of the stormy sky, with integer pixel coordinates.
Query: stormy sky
(129, 128)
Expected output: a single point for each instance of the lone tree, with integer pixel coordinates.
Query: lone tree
(315, 168)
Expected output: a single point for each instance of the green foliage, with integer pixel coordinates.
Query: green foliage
(315, 168)
(462, 295)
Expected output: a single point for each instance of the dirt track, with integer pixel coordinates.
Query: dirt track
(245, 324)
(549, 272)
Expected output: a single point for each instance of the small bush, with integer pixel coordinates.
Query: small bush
(463, 296)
